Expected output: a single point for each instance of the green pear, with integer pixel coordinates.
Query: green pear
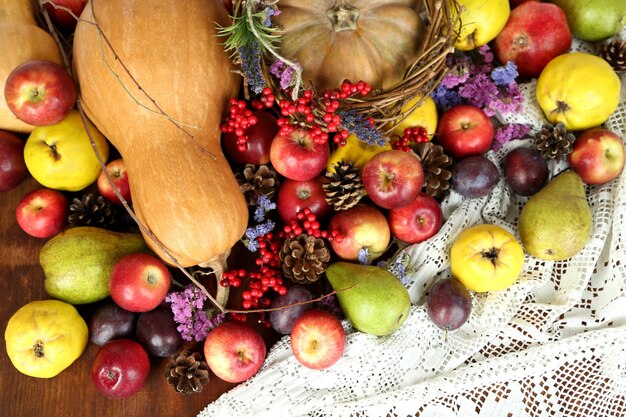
(374, 301)
(594, 20)
(555, 223)
(77, 263)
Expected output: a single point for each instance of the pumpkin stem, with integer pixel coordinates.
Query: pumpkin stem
(343, 16)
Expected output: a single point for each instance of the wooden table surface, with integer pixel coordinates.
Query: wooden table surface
(71, 393)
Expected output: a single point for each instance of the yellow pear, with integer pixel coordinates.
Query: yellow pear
(555, 223)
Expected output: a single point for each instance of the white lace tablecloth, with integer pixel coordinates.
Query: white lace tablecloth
(553, 344)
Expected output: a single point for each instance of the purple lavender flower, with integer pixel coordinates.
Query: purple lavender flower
(250, 55)
(509, 132)
(187, 307)
(253, 233)
(506, 75)
(269, 12)
(364, 256)
(264, 205)
(445, 98)
(360, 127)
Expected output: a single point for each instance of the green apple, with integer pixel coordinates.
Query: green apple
(60, 156)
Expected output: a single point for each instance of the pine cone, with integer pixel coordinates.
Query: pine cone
(436, 166)
(345, 188)
(257, 181)
(91, 210)
(614, 53)
(554, 141)
(187, 372)
(304, 258)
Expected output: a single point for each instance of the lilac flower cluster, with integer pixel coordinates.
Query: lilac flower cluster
(284, 73)
(250, 55)
(359, 126)
(480, 83)
(187, 307)
(509, 132)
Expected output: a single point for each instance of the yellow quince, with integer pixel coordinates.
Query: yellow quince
(578, 89)
(45, 337)
(481, 22)
(424, 115)
(486, 257)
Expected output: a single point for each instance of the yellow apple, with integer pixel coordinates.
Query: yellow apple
(481, 22)
(486, 257)
(45, 337)
(60, 156)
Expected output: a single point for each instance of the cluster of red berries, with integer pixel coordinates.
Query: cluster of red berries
(239, 119)
(259, 283)
(306, 223)
(411, 135)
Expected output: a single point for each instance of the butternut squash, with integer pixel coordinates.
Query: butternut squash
(156, 81)
(21, 40)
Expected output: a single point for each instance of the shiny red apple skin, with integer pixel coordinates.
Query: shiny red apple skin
(318, 339)
(597, 156)
(393, 178)
(139, 282)
(294, 196)
(61, 18)
(40, 93)
(465, 130)
(417, 221)
(120, 368)
(297, 157)
(361, 227)
(260, 137)
(119, 175)
(234, 351)
(42, 213)
(12, 166)
(534, 34)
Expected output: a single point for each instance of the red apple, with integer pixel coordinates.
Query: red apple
(120, 368)
(139, 282)
(260, 137)
(297, 157)
(294, 196)
(62, 19)
(318, 339)
(40, 93)
(119, 175)
(534, 34)
(465, 130)
(12, 166)
(234, 351)
(42, 213)
(417, 221)
(393, 178)
(597, 156)
(362, 227)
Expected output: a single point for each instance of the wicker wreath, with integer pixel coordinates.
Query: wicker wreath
(383, 106)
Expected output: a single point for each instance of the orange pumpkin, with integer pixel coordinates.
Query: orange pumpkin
(333, 40)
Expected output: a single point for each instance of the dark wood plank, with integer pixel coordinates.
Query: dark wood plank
(71, 393)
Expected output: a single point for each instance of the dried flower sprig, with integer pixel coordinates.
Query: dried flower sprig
(194, 321)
